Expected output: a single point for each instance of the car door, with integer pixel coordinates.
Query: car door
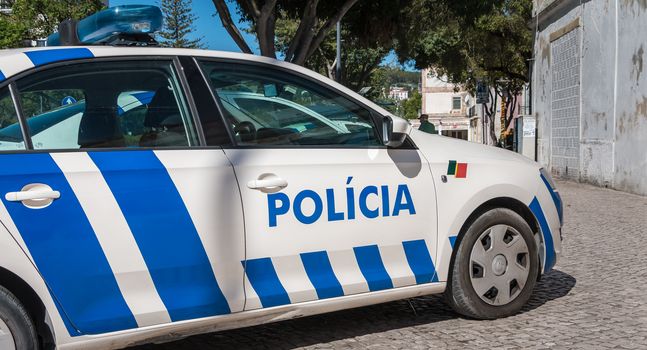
(329, 211)
(129, 223)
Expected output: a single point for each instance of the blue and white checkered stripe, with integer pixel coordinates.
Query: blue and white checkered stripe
(320, 275)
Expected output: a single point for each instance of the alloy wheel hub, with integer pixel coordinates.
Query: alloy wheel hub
(499, 265)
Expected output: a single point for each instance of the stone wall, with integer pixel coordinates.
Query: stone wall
(590, 91)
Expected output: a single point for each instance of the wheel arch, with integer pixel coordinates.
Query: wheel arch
(34, 305)
(499, 202)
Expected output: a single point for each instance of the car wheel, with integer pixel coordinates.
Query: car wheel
(17, 331)
(495, 267)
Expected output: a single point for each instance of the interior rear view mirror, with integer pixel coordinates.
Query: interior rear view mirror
(269, 90)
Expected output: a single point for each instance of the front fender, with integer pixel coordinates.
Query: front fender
(451, 219)
(486, 173)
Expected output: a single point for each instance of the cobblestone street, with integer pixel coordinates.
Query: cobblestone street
(595, 298)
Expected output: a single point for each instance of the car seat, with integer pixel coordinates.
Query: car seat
(100, 128)
(164, 122)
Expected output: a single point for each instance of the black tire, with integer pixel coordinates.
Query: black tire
(15, 316)
(461, 295)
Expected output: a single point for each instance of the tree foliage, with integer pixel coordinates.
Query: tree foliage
(371, 22)
(178, 24)
(467, 42)
(359, 60)
(37, 19)
(384, 77)
(412, 105)
(11, 32)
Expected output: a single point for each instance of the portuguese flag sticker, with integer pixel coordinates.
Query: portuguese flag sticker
(459, 170)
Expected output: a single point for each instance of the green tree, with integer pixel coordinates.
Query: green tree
(471, 41)
(412, 105)
(11, 32)
(371, 22)
(178, 24)
(359, 59)
(37, 19)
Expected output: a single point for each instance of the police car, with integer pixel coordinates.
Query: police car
(235, 190)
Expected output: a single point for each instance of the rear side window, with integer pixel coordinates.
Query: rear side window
(10, 133)
(129, 104)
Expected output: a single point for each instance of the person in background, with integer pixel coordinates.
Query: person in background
(426, 126)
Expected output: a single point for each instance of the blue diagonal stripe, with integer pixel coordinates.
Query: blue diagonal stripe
(321, 274)
(535, 207)
(65, 248)
(164, 232)
(144, 97)
(372, 267)
(2, 77)
(262, 275)
(42, 57)
(452, 241)
(420, 261)
(557, 199)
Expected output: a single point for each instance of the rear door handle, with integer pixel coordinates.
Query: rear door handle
(34, 192)
(268, 182)
(32, 195)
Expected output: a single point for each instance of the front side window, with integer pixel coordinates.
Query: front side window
(10, 133)
(128, 104)
(266, 107)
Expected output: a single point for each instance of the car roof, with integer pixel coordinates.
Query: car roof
(15, 61)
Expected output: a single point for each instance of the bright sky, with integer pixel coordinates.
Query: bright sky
(209, 27)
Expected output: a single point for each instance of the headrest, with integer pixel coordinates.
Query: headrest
(100, 128)
(162, 107)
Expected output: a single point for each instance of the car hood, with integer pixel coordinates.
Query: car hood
(439, 148)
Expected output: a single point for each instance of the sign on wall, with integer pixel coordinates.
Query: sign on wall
(482, 93)
(529, 125)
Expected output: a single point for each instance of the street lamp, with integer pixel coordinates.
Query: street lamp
(338, 67)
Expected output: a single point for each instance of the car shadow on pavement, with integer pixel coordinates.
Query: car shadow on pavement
(553, 285)
(350, 324)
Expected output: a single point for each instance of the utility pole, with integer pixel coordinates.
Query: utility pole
(338, 67)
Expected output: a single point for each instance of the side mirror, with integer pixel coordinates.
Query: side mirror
(394, 131)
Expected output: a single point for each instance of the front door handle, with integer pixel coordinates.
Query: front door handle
(267, 182)
(34, 195)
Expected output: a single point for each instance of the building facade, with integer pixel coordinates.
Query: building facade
(589, 88)
(398, 93)
(451, 109)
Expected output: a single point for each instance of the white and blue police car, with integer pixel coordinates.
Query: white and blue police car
(149, 192)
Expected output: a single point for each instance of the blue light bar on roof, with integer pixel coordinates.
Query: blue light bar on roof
(121, 20)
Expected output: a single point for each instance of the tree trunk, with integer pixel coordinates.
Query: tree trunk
(306, 27)
(495, 100)
(230, 26)
(305, 42)
(327, 27)
(265, 23)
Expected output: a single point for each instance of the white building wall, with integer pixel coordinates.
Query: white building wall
(438, 102)
(606, 53)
